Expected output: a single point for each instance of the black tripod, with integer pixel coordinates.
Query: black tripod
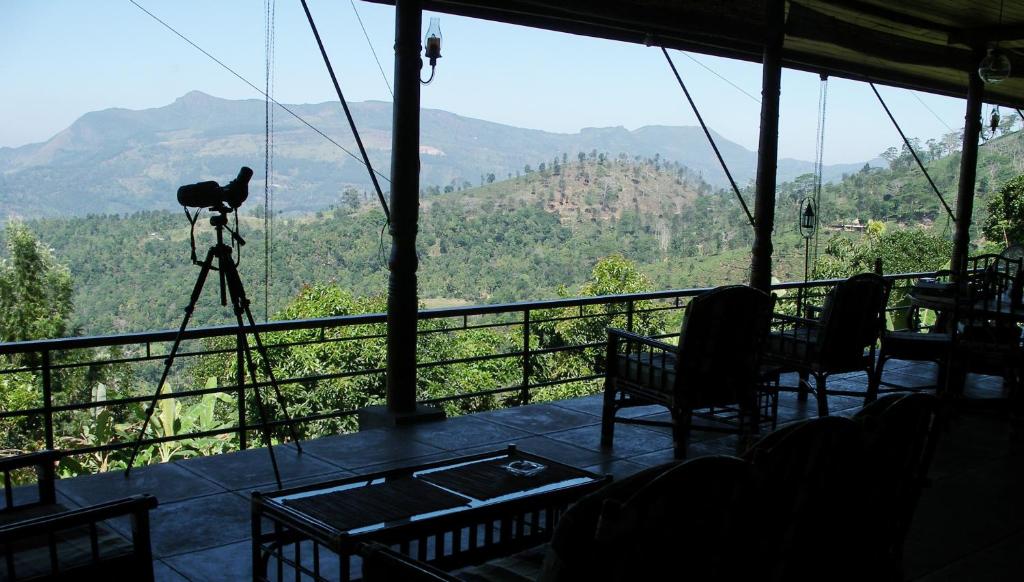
(230, 286)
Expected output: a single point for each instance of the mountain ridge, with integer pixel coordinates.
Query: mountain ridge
(123, 160)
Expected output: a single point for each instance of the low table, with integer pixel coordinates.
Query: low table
(449, 513)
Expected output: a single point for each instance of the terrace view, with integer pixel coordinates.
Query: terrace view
(441, 348)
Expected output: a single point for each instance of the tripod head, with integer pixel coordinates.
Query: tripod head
(221, 200)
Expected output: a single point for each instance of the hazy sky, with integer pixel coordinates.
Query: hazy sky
(61, 59)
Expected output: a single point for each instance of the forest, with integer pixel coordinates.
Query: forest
(587, 225)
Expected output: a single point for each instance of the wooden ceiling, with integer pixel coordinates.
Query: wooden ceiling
(926, 45)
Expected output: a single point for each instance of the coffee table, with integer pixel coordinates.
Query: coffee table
(449, 513)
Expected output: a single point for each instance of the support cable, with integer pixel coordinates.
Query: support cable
(1019, 112)
(257, 89)
(270, 8)
(348, 114)
(707, 133)
(930, 110)
(374, 52)
(912, 152)
(819, 159)
(720, 76)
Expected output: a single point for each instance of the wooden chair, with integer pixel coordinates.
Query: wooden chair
(42, 539)
(572, 553)
(900, 435)
(803, 471)
(841, 340)
(916, 342)
(986, 333)
(682, 518)
(714, 366)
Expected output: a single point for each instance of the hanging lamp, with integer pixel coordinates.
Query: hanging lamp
(995, 67)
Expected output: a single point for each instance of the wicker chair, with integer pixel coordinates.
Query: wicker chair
(716, 366)
(801, 470)
(42, 539)
(687, 518)
(916, 343)
(841, 340)
(986, 335)
(900, 435)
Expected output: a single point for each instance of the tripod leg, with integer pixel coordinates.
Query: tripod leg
(259, 399)
(197, 290)
(237, 290)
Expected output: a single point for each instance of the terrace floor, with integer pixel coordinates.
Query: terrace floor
(969, 524)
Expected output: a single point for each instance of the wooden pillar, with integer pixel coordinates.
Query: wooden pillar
(768, 147)
(405, 203)
(968, 172)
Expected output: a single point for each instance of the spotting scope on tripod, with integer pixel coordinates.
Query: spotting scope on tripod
(223, 200)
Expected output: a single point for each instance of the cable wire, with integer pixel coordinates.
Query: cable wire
(270, 8)
(906, 142)
(348, 114)
(260, 91)
(717, 74)
(930, 110)
(711, 140)
(367, 35)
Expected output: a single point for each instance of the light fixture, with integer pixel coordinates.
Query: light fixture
(808, 224)
(994, 119)
(433, 43)
(995, 67)
(808, 218)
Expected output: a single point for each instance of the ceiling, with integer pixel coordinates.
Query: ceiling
(926, 45)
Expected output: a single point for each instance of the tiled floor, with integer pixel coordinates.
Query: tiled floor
(969, 524)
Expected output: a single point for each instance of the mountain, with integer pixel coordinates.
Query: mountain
(120, 160)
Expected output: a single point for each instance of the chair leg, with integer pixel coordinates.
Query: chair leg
(681, 421)
(822, 395)
(875, 380)
(804, 381)
(608, 415)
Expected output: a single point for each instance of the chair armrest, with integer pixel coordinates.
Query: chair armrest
(134, 505)
(616, 334)
(813, 311)
(381, 563)
(45, 462)
(794, 321)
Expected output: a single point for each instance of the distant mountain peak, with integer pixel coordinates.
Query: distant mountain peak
(196, 97)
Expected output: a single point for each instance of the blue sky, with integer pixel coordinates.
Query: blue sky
(64, 58)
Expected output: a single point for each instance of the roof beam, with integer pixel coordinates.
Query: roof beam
(988, 34)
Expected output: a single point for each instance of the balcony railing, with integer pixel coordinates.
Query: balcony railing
(51, 365)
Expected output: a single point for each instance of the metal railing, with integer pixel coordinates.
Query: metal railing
(524, 324)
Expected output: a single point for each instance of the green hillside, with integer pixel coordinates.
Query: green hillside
(512, 239)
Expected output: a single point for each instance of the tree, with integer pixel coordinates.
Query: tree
(35, 290)
(612, 275)
(1005, 221)
(350, 198)
(901, 250)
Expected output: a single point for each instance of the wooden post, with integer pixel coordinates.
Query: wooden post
(768, 147)
(405, 203)
(968, 172)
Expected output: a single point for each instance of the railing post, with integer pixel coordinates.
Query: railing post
(47, 400)
(524, 392)
(240, 382)
(629, 315)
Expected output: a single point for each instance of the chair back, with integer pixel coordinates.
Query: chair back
(720, 345)
(852, 319)
(986, 337)
(801, 471)
(690, 521)
(899, 440)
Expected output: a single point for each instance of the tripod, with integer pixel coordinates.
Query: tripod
(230, 286)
